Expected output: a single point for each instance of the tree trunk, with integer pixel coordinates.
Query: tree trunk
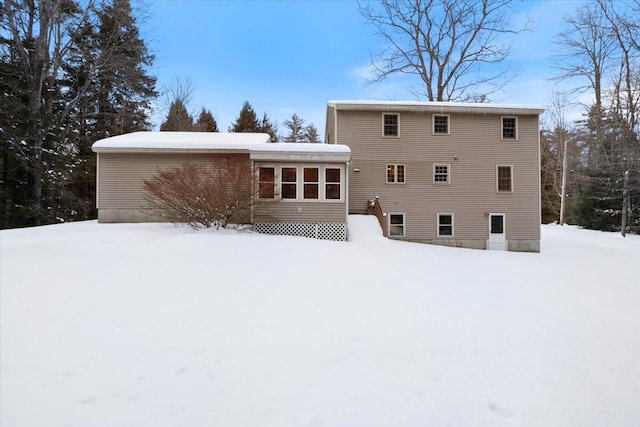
(625, 204)
(563, 196)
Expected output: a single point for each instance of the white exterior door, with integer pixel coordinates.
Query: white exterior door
(497, 233)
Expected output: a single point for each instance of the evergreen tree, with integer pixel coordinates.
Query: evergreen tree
(310, 134)
(127, 88)
(267, 127)
(178, 118)
(206, 122)
(32, 50)
(247, 120)
(15, 154)
(110, 75)
(70, 74)
(605, 175)
(295, 125)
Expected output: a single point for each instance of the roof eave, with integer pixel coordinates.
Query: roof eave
(300, 156)
(439, 108)
(167, 150)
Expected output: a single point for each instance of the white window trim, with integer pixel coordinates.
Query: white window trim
(433, 175)
(453, 225)
(511, 177)
(300, 182)
(502, 128)
(395, 173)
(433, 124)
(390, 114)
(404, 224)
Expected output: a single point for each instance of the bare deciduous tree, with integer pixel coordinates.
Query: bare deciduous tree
(560, 134)
(447, 44)
(210, 194)
(626, 99)
(600, 49)
(178, 89)
(586, 47)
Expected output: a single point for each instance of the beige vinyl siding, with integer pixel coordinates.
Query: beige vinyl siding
(121, 175)
(330, 130)
(122, 197)
(472, 149)
(299, 212)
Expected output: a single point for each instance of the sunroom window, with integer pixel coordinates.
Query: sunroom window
(266, 183)
(289, 183)
(332, 183)
(310, 183)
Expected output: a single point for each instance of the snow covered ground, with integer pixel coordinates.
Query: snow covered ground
(152, 325)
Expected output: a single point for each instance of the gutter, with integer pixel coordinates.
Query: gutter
(440, 107)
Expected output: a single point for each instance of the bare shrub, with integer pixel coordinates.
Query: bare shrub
(211, 194)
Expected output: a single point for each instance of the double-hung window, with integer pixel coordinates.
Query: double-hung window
(504, 177)
(396, 225)
(445, 225)
(440, 174)
(395, 174)
(441, 124)
(510, 128)
(390, 125)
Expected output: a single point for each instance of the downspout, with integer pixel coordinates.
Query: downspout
(254, 178)
(346, 191)
(335, 123)
(98, 183)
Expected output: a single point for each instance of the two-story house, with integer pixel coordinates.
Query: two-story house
(455, 174)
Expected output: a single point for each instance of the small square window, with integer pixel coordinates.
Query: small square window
(445, 225)
(390, 124)
(396, 225)
(395, 174)
(441, 124)
(509, 128)
(504, 179)
(440, 174)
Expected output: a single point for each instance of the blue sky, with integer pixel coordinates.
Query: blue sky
(294, 56)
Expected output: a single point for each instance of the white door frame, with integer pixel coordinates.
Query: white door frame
(497, 240)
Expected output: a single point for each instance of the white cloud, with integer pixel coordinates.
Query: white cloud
(364, 73)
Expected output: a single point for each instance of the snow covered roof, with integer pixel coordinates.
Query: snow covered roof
(179, 141)
(435, 107)
(256, 144)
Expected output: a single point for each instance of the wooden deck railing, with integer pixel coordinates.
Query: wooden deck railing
(374, 208)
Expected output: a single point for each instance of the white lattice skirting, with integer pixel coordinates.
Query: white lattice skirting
(325, 231)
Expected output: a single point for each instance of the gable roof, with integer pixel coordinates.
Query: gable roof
(435, 107)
